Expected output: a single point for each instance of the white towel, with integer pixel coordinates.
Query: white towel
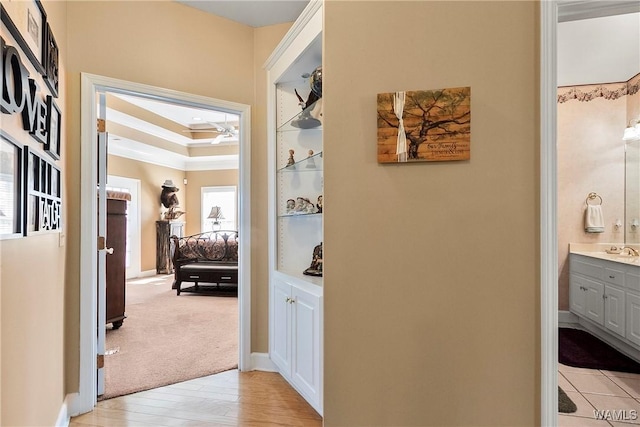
(593, 219)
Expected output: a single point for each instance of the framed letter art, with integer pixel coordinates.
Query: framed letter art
(26, 21)
(50, 61)
(11, 188)
(52, 145)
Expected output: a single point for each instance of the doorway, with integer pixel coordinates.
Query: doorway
(550, 12)
(90, 84)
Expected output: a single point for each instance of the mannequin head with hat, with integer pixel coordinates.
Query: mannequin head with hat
(168, 196)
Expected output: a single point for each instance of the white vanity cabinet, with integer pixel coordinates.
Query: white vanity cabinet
(607, 294)
(295, 200)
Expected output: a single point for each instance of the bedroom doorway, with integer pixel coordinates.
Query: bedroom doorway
(91, 84)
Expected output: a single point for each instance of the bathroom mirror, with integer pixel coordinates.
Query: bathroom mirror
(632, 192)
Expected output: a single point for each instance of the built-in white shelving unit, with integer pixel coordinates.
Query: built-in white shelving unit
(296, 180)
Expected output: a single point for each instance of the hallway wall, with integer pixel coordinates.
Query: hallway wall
(32, 281)
(432, 278)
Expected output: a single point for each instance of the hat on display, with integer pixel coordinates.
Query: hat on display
(169, 184)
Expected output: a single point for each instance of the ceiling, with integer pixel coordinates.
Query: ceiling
(254, 13)
(185, 137)
(599, 50)
(590, 51)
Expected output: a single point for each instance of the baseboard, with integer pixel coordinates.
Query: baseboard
(147, 273)
(262, 362)
(567, 319)
(64, 417)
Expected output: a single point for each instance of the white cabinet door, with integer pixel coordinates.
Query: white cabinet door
(306, 337)
(594, 308)
(633, 318)
(577, 295)
(614, 310)
(281, 333)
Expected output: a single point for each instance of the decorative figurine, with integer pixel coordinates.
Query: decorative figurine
(169, 199)
(319, 204)
(291, 160)
(291, 206)
(311, 162)
(315, 269)
(305, 120)
(304, 205)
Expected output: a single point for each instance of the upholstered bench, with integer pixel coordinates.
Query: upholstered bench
(209, 260)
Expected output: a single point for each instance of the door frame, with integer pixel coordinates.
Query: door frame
(550, 12)
(86, 398)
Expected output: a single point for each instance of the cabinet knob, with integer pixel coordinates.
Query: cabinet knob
(612, 277)
(109, 251)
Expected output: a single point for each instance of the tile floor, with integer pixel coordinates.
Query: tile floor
(603, 398)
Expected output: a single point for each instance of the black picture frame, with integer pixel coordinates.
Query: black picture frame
(54, 119)
(43, 198)
(11, 213)
(50, 61)
(37, 60)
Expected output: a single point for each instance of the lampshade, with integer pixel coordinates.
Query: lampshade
(630, 134)
(216, 213)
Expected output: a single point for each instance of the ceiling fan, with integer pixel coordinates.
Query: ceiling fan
(221, 130)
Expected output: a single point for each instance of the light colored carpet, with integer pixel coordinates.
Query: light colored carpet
(167, 339)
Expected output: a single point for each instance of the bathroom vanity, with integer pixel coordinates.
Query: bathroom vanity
(604, 292)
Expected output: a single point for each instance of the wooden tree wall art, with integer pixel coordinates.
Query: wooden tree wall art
(424, 126)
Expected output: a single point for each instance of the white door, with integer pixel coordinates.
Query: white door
(594, 304)
(281, 340)
(306, 343)
(102, 237)
(633, 318)
(577, 295)
(614, 310)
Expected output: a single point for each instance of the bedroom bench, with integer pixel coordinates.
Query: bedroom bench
(209, 260)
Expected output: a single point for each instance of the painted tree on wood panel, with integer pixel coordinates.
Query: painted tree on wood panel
(437, 125)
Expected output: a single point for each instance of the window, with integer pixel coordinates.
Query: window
(225, 198)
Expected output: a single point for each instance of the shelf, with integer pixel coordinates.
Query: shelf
(312, 163)
(299, 215)
(301, 279)
(306, 120)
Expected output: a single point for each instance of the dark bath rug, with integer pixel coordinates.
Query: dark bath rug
(582, 350)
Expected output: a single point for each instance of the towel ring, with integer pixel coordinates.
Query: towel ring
(593, 196)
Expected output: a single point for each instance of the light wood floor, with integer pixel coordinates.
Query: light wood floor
(230, 398)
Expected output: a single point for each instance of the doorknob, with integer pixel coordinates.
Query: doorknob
(109, 251)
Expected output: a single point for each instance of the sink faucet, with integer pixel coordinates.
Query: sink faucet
(632, 251)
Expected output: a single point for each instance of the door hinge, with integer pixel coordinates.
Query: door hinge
(100, 361)
(102, 243)
(102, 125)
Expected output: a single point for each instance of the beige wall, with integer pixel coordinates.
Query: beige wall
(151, 179)
(452, 311)
(590, 159)
(159, 43)
(432, 270)
(196, 180)
(32, 286)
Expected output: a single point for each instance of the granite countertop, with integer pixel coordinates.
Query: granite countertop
(599, 250)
